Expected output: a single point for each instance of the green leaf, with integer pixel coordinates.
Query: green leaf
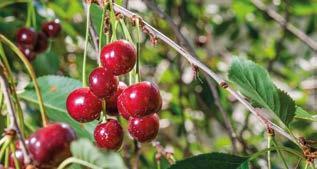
(55, 90)
(85, 150)
(255, 82)
(48, 58)
(211, 161)
(300, 113)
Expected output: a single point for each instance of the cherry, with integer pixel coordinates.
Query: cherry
(41, 43)
(144, 129)
(26, 37)
(51, 144)
(118, 56)
(111, 102)
(52, 28)
(139, 100)
(102, 82)
(109, 135)
(27, 52)
(83, 106)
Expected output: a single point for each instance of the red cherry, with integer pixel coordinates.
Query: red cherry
(52, 28)
(119, 57)
(26, 37)
(140, 99)
(111, 102)
(20, 157)
(109, 135)
(51, 144)
(144, 129)
(102, 82)
(41, 43)
(27, 52)
(83, 106)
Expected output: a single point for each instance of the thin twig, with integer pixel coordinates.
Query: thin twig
(264, 120)
(11, 112)
(282, 21)
(161, 152)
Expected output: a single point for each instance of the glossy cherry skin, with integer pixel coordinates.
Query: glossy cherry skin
(41, 43)
(52, 28)
(111, 102)
(144, 129)
(119, 57)
(20, 158)
(26, 37)
(83, 106)
(27, 52)
(51, 144)
(109, 135)
(102, 82)
(140, 99)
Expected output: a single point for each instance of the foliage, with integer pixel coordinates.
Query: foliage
(273, 69)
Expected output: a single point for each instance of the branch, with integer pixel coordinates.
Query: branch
(289, 27)
(265, 121)
(185, 43)
(11, 112)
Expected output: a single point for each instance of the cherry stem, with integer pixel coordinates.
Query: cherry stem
(74, 160)
(138, 46)
(31, 72)
(29, 14)
(11, 112)
(101, 33)
(15, 160)
(86, 45)
(279, 152)
(269, 141)
(16, 99)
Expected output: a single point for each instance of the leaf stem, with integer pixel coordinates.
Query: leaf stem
(31, 72)
(71, 160)
(86, 45)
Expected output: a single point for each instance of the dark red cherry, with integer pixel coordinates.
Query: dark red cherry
(140, 99)
(52, 28)
(102, 82)
(83, 106)
(28, 53)
(144, 129)
(51, 144)
(119, 57)
(20, 157)
(26, 37)
(109, 135)
(41, 43)
(111, 102)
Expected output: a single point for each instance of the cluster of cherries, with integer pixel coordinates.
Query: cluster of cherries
(31, 43)
(43, 153)
(137, 103)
